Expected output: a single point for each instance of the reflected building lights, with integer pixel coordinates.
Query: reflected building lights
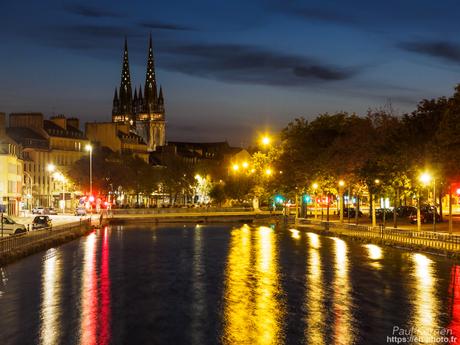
(454, 291)
(342, 298)
(51, 298)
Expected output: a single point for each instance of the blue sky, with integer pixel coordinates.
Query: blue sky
(229, 68)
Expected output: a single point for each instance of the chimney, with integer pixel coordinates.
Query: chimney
(60, 120)
(74, 122)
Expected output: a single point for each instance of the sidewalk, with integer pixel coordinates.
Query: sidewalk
(402, 223)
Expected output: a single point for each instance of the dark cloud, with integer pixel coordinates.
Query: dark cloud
(323, 14)
(165, 26)
(439, 49)
(91, 12)
(252, 65)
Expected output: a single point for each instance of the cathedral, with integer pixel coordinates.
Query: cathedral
(144, 112)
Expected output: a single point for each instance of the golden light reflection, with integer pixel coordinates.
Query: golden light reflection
(314, 240)
(314, 299)
(268, 309)
(425, 301)
(237, 292)
(51, 298)
(295, 233)
(252, 310)
(374, 252)
(342, 298)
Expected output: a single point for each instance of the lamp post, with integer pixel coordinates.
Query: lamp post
(50, 168)
(425, 178)
(89, 148)
(341, 184)
(315, 187)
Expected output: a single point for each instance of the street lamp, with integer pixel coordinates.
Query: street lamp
(426, 178)
(50, 168)
(268, 171)
(315, 187)
(341, 184)
(266, 140)
(89, 148)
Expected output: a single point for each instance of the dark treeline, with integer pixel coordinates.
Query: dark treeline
(379, 154)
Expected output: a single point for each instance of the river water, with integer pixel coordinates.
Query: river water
(227, 284)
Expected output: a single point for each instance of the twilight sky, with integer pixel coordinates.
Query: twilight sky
(229, 68)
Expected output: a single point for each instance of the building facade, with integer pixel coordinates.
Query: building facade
(143, 111)
(57, 141)
(11, 172)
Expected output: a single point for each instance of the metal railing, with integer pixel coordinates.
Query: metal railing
(121, 211)
(22, 241)
(427, 239)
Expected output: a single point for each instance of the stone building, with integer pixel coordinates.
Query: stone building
(118, 137)
(11, 172)
(57, 141)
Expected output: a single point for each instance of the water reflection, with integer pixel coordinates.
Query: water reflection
(253, 311)
(89, 293)
(95, 324)
(425, 303)
(454, 291)
(375, 253)
(199, 293)
(313, 239)
(343, 332)
(315, 294)
(295, 234)
(51, 298)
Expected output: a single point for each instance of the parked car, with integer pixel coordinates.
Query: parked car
(352, 212)
(379, 212)
(80, 211)
(38, 210)
(49, 210)
(10, 227)
(427, 213)
(405, 211)
(41, 222)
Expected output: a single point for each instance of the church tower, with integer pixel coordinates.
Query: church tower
(122, 110)
(150, 120)
(144, 112)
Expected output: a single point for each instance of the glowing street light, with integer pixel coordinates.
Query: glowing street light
(268, 171)
(245, 165)
(235, 167)
(266, 140)
(425, 178)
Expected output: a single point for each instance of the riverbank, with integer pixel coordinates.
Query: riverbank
(191, 217)
(430, 242)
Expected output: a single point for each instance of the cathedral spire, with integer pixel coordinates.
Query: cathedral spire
(126, 93)
(150, 92)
